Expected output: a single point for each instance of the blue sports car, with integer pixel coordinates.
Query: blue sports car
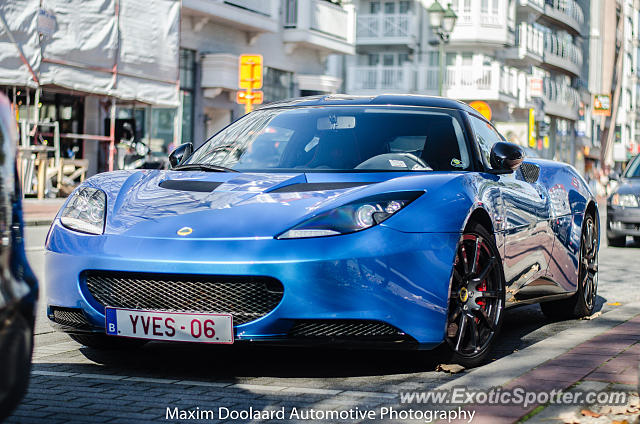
(385, 221)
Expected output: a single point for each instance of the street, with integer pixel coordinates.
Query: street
(71, 383)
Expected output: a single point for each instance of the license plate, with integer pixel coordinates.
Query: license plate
(175, 326)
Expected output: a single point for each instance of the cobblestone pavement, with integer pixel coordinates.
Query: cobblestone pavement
(71, 383)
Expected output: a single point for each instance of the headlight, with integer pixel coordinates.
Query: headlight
(624, 200)
(352, 217)
(85, 211)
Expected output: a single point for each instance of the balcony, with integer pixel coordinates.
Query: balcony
(565, 13)
(387, 29)
(486, 82)
(318, 83)
(535, 6)
(380, 79)
(529, 45)
(562, 54)
(477, 26)
(560, 99)
(320, 25)
(251, 16)
(219, 72)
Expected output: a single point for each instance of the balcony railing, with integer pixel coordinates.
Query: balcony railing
(319, 15)
(561, 94)
(530, 39)
(376, 78)
(381, 26)
(562, 53)
(565, 12)
(319, 23)
(569, 7)
(469, 82)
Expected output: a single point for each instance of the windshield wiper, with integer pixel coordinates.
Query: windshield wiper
(203, 167)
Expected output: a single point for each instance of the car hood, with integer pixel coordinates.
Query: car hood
(150, 203)
(629, 186)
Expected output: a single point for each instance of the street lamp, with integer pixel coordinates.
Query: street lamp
(442, 22)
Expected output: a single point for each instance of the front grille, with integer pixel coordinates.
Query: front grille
(246, 298)
(71, 317)
(343, 329)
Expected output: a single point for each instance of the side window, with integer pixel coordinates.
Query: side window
(486, 136)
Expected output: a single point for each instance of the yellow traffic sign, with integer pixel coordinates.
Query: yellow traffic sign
(532, 127)
(250, 72)
(243, 97)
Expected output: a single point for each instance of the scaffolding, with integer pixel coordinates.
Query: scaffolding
(129, 59)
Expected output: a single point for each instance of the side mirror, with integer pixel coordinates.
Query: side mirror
(180, 153)
(614, 176)
(506, 157)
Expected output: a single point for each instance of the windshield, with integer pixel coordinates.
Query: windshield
(332, 139)
(633, 171)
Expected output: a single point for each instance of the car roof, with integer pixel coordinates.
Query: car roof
(382, 99)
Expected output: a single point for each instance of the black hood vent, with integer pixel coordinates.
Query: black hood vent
(190, 185)
(302, 187)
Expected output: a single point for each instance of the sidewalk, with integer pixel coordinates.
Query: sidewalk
(610, 358)
(40, 212)
(607, 361)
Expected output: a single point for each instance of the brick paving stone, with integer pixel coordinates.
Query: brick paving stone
(614, 378)
(34, 420)
(579, 361)
(134, 416)
(26, 411)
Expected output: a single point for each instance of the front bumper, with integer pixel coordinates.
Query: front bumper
(623, 222)
(379, 274)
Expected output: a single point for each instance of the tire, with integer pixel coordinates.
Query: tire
(18, 347)
(104, 342)
(617, 241)
(582, 303)
(476, 299)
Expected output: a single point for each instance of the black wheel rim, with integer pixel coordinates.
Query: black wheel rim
(589, 262)
(476, 299)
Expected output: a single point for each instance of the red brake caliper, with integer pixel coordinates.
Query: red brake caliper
(482, 287)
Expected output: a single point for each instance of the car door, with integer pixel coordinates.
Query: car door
(527, 237)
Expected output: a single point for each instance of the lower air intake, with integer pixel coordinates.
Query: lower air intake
(71, 317)
(343, 329)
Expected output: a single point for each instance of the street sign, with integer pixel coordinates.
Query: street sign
(602, 104)
(535, 87)
(256, 97)
(482, 107)
(250, 72)
(532, 127)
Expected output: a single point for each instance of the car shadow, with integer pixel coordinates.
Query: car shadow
(526, 325)
(522, 327)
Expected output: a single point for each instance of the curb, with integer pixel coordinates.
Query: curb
(504, 370)
(36, 222)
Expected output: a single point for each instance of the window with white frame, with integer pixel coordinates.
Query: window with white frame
(389, 7)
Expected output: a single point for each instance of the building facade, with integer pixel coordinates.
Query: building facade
(515, 55)
(295, 38)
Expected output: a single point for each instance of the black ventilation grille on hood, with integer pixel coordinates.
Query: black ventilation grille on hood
(190, 185)
(297, 188)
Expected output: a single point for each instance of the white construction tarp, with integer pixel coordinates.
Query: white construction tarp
(123, 48)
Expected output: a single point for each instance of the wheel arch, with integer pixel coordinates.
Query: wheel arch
(481, 216)
(592, 209)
